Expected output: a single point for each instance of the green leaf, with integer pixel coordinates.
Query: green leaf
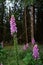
(27, 58)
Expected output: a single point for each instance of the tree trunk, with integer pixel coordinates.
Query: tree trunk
(26, 26)
(32, 30)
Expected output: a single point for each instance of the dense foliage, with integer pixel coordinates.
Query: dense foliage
(7, 57)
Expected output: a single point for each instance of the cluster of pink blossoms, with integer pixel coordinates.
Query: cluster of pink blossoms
(33, 41)
(35, 51)
(25, 46)
(13, 27)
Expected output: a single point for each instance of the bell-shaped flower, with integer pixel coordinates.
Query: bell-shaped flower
(13, 27)
(33, 41)
(35, 51)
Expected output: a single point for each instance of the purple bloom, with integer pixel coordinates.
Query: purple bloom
(13, 27)
(35, 51)
(27, 45)
(24, 47)
(33, 41)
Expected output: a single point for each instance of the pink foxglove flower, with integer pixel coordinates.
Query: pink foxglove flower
(33, 41)
(27, 45)
(24, 47)
(13, 27)
(35, 51)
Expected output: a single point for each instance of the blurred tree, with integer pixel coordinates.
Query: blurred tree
(39, 24)
(1, 19)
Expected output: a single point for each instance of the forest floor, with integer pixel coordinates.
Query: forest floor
(10, 50)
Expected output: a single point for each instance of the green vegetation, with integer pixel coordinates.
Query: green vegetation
(7, 56)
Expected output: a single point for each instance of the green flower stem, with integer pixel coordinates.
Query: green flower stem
(16, 50)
